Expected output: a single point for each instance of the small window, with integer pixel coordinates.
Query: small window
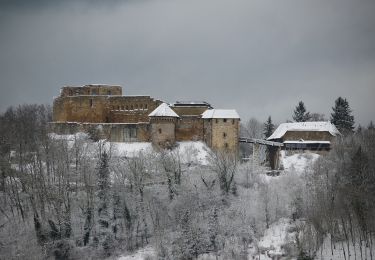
(159, 130)
(127, 107)
(122, 108)
(225, 120)
(224, 135)
(118, 107)
(232, 121)
(216, 121)
(91, 103)
(145, 106)
(131, 107)
(226, 145)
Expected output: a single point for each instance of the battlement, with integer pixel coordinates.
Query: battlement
(91, 90)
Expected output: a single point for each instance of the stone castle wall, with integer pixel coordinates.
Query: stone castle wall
(225, 134)
(102, 109)
(163, 131)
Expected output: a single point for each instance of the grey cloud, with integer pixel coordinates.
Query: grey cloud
(260, 57)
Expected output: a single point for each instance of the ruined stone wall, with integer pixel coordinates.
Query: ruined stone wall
(92, 109)
(225, 134)
(163, 131)
(103, 109)
(131, 109)
(91, 90)
(207, 132)
(189, 128)
(112, 132)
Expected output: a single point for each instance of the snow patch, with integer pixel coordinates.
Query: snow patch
(141, 254)
(298, 162)
(275, 238)
(220, 113)
(130, 149)
(193, 152)
(163, 110)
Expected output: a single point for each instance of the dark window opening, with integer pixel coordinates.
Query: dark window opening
(225, 120)
(232, 121)
(216, 121)
(91, 103)
(159, 130)
(224, 135)
(226, 145)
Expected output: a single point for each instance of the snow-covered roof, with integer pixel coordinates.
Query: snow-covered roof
(324, 126)
(306, 142)
(220, 113)
(163, 110)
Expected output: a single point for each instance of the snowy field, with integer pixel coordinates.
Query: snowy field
(190, 152)
(299, 162)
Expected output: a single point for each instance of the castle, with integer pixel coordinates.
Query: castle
(121, 118)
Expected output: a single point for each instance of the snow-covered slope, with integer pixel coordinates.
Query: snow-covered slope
(191, 152)
(298, 162)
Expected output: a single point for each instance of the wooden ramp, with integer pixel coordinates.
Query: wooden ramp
(259, 141)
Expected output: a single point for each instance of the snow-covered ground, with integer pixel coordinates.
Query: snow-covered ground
(192, 152)
(338, 249)
(146, 253)
(274, 240)
(130, 149)
(298, 162)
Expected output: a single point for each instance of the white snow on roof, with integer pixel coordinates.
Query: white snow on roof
(220, 113)
(307, 142)
(304, 126)
(163, 110)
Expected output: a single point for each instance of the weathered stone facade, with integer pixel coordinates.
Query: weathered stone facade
(118, 118)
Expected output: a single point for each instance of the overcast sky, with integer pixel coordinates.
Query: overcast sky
(258, 56)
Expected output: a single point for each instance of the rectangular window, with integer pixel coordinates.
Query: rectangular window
(130, 134)
(91, 103)
(225, 120)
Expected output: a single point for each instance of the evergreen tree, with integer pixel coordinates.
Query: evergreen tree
(268, 128)
(341, 116)
(213, 230)
(371, 126)
(300, 114)
(103, 194)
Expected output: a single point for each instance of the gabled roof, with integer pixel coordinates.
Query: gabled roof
(220, 113)
(163, 111)
(304, 126)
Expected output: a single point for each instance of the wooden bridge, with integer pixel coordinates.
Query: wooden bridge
(274, 150)
(259, 141)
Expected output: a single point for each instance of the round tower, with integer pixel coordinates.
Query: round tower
(163, 126)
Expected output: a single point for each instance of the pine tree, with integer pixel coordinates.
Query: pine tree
(213, 229)
(371, 126)
(268, 128)
(341, 116)
(103, 195)
(300, 114)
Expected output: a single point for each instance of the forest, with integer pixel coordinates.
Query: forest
(78, 197)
